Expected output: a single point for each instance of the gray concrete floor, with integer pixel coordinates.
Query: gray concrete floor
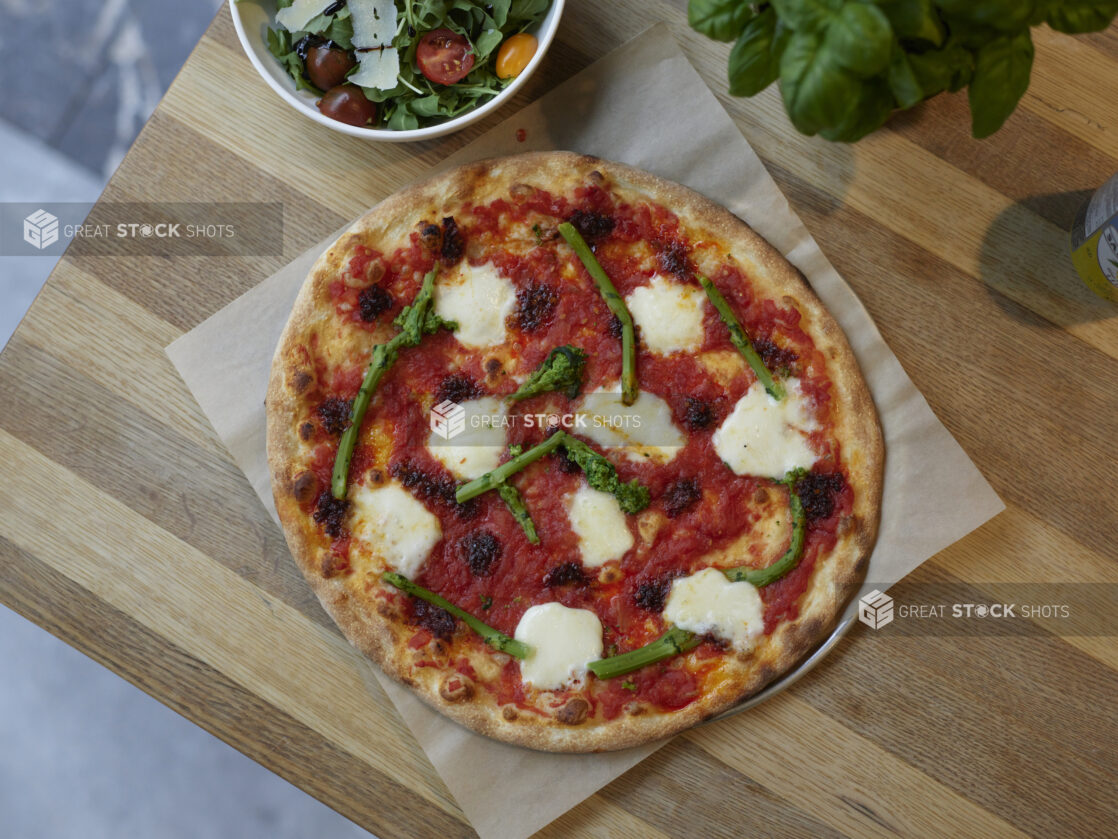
(83, 754)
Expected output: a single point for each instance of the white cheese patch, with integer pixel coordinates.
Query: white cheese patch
(707, 602)
(669, 314)
(296, 16)
(563, 642)
(393, 520)
(476, 449)
(642, 431)
(763, 436)
(479, 299)
(377, 69)
(598, 522)
(374, 22)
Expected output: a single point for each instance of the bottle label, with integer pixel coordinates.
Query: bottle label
(1096, 259)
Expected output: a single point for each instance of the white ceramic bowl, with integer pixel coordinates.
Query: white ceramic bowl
(250, 17)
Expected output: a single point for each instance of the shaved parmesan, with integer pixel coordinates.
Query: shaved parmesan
(296, 16)
(377, 69)
(374, 22)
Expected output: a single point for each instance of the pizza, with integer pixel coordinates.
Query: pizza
(571, 451)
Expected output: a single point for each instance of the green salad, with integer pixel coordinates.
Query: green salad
(403, 64)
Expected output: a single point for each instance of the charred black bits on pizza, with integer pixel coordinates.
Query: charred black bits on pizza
(438, 622)
(673, 259)
(653, 594)
(431, 236)
(454, 244)
(535, 306)
(681, 496)
(697, 413)
(334, 413)
(373, 302)
(306, 430)
(457, 387)
(817, 493)
(616, 329)
(566, 465)
(436, 489)
(561, 575)
(591, 225)
(330, 513)
(480, 549)
(775, 357)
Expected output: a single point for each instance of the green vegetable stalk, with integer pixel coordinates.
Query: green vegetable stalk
(561, 372)
(791, 558)
(673, 642)
(600, 474)
(414, 322)
(497, 640)
(616, 305)
(511, 496)
(844, 66)
(741, 340)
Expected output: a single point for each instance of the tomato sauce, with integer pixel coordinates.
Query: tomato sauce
(516, 579)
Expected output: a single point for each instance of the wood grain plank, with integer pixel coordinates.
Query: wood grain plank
(839, 777)
(227, 710)
(209, 612)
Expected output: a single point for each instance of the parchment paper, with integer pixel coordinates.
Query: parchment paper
(645, 105)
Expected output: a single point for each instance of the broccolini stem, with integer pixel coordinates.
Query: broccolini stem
(616, 305)
(791, 558)
(383, 357)
(740, 340)
(511, 496)
(493, 479)
(494, 638)
(672, 642)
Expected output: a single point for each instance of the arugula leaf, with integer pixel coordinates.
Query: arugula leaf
(755, 58)
(860, 39)
(280, 45)
(1077, 16)
(1001, 76)
(721, 20)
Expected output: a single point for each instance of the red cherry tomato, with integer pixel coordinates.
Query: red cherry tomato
(328, 66)
(444, 57)
(346, 103)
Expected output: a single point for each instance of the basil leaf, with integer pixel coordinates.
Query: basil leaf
(906, 88)
(872, 105)
(947, 69)
(1003, 15)
(755, 58)
(807, 15)
(817, 93)
(1077, 16)
(1001, 76)
(914, 20)
(860, 39)
(720, 20)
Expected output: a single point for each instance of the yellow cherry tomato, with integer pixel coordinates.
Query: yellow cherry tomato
(514, 55)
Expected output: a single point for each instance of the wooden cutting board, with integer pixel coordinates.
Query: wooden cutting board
(126, 530)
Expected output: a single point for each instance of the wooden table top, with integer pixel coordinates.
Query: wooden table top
(126, 530)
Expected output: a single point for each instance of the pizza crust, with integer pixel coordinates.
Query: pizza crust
(835, 578)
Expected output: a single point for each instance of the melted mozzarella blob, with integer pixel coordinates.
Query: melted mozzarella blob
(479, 299)
(765, 437)
(707, 602)
(477, 448)
(563, 642)
(397, 524)
(669, 314)
(598, 521)
(642, 431)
